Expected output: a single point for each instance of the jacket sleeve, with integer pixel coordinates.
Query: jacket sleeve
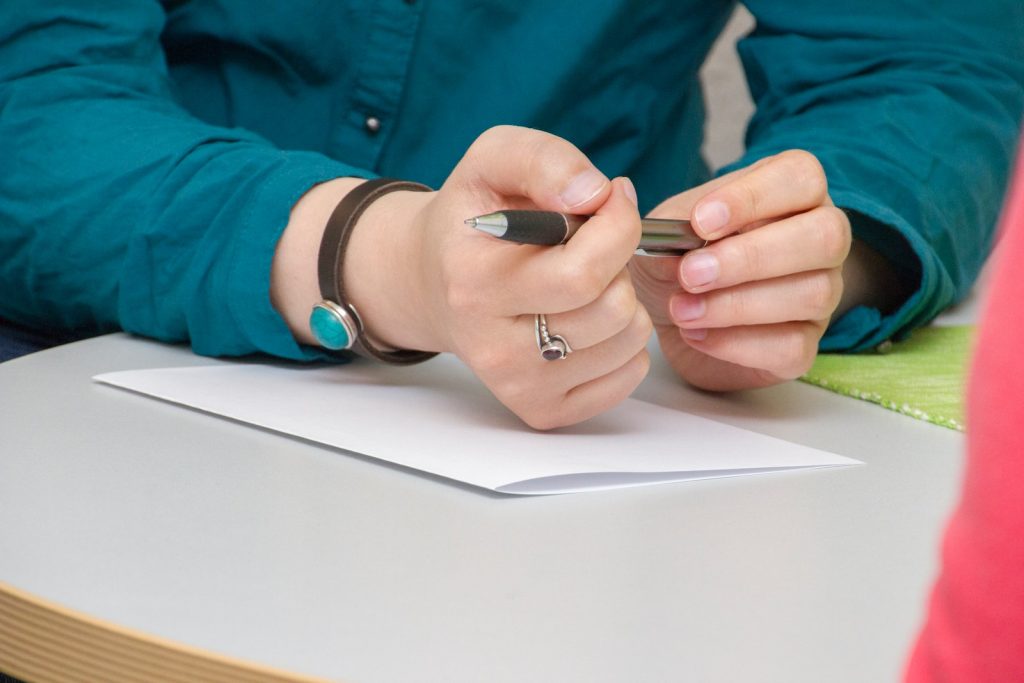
(117, 207)
(913, 108)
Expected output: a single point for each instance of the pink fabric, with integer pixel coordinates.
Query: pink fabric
(974, 630)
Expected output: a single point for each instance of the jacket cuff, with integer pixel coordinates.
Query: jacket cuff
(258, 325)
(915, 262)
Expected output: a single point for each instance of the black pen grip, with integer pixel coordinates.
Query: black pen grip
(535, 227)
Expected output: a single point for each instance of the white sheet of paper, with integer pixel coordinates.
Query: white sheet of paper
(436, 417)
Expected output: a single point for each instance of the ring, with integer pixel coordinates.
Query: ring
(551, 346)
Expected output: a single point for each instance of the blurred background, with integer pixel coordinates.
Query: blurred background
(725, 91)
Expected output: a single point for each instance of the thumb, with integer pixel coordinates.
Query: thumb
(509, 161)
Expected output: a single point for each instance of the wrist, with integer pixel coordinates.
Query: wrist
(384, 275)
(869, 279)
(294, 288)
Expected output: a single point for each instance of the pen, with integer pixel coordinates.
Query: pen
(661, 236)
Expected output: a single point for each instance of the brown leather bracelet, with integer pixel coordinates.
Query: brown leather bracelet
(334, 321)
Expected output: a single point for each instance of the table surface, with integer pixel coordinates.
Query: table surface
(293, 555)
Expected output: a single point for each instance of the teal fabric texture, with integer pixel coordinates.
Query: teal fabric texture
(150, 152)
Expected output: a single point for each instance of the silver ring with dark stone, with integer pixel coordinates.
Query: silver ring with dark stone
(551, 346)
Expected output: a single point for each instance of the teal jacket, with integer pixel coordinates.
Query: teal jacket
(150, 153)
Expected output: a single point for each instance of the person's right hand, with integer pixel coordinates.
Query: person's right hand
(453, 288)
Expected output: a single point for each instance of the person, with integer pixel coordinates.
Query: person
(171, 170)
(974, 629)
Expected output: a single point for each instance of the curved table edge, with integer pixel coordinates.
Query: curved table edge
(43, 641)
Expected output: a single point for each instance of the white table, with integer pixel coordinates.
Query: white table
(181, 526)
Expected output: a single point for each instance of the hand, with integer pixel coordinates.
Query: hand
(748, 310)
(447, 287)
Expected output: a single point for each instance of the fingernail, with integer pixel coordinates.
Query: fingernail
(686, 307)
(695, 335)
(583, 187)
(630, 190)
(711, 216)
(699, 269)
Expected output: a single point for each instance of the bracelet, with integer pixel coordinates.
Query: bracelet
(334, 322)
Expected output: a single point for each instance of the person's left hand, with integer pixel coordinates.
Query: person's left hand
(748, 310)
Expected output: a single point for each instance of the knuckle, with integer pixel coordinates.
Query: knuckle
(643, 366)
(496, 141)
(618, 304)
(745, 252)
(802, 161)
(796, 354)
(627, 379)
(821, 295)
(809, 351)
(541, 424)
(544, 420)
(518, 391)
(581, 282)
(807, 346)
(484, 141)
(494, 134)
(834, 233)
(798, 157)
(634, 372)
(490, 361)
(538, 420)
(646, 321)
(835, 276)
(805, 168)
(747, 195)
(539, 149)
(641, 326)
(547, 153)
(730, 303)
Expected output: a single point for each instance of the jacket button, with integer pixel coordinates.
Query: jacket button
(372, 124)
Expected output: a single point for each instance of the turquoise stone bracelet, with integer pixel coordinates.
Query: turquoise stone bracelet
(334, 327)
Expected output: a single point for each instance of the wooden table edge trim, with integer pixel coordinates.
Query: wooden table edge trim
(67, 645)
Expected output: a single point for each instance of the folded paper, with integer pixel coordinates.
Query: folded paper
(437, 418)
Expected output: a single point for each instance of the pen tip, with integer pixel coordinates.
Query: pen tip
(493, 224)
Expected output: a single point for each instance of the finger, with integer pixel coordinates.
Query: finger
(572, 275)
(813, 240)
(586, 365)
(517, 372)
(681, 205)
(652, 289)
(545, 394)
(601, 319)
(509, 161)
(787, 183)
(660, 269)
(703, 372)
(802, 296)
(580, 365)
(597, 396)
(785, 350)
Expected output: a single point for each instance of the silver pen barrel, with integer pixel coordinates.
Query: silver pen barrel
(660, 236)
(668, 237)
